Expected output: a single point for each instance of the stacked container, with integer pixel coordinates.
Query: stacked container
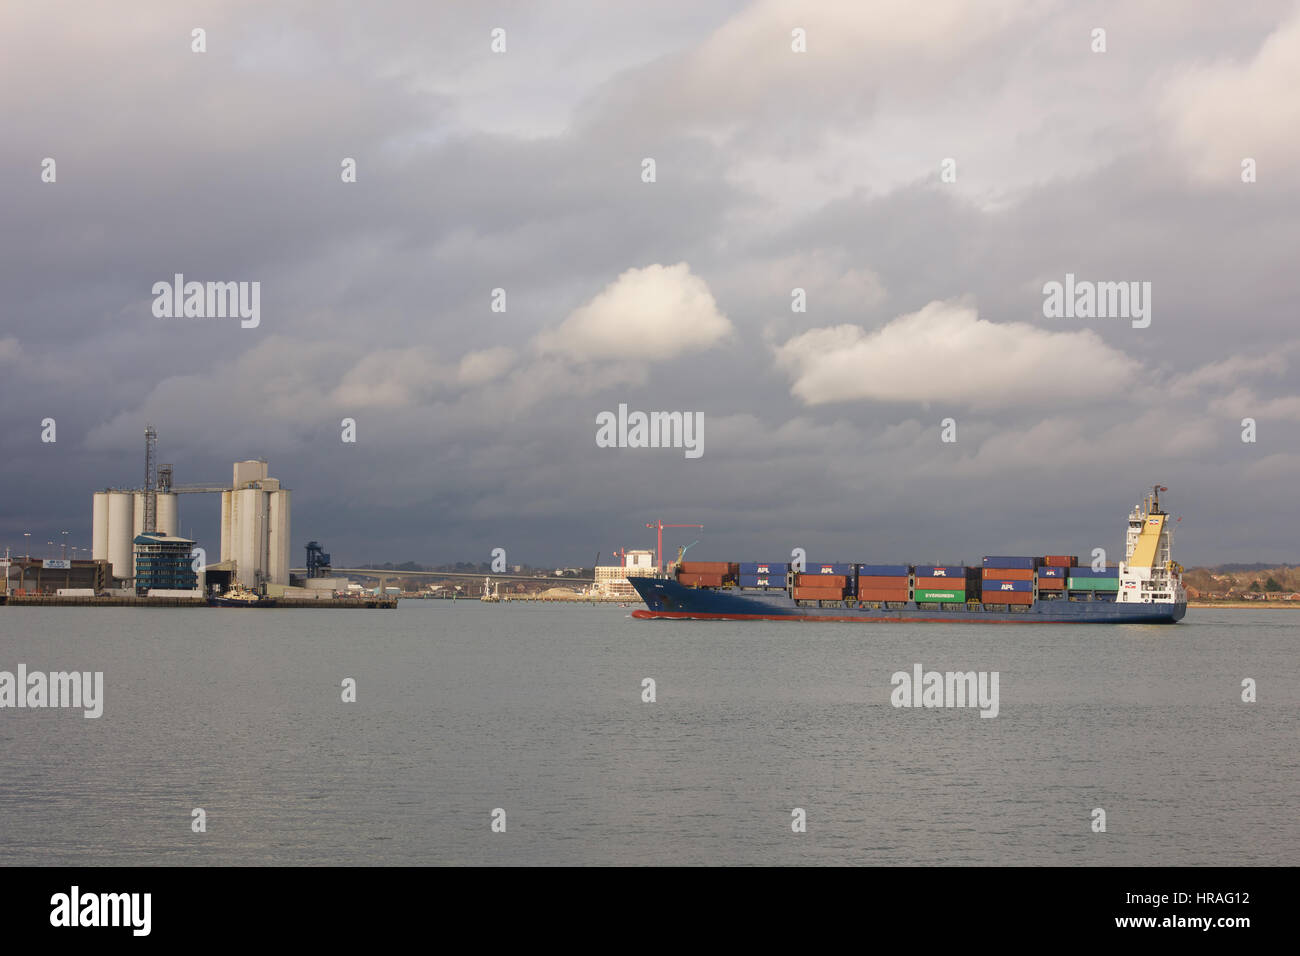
(763, 574)
(943, 584)
(1052, 577)
(1008, 580)
(824, 582)
(1099, 585)
(884, 582)
(707, 574)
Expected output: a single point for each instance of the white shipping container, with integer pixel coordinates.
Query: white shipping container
(75, 592)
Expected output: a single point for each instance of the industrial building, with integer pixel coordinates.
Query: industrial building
(254, 522)
(164, 562)
(611, 580)
(255, 526)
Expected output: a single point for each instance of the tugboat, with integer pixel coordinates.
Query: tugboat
(240, 596)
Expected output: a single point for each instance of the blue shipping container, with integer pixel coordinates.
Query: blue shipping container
(764, 567)
(1016, 564)
(941, 571)
(991, 586)
(812, 568)
(1090, 573)
(762, 580)
(884, 570)
(1046, 572)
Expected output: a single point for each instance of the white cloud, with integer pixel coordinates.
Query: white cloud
(1227, 111)
(646, 314)
(946, 353)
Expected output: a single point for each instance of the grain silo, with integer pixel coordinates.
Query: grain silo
(168, 515)
(277, 543)
(137, 511)
(121, 521)
(99, 527)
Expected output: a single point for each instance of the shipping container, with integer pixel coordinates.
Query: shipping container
(941, 595)
(1052, 571)
(818, 594)
(1001, 561)
(884, 570)
(707, 567)
(701, 580)
(1051, 584)
(992, 586)
(942, 571)
(884, 582)
(1061, 560)
(843, 570)
(1008, 574)
(1009, 597)
(882, 594)
(1093, 584)
(762, 580)
(1112, 572)
(821, 580)
(764, 567)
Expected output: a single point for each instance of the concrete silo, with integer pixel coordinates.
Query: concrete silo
(277, 544)
(168, 514)
(99, 527)
(137, 510)
(121, 522)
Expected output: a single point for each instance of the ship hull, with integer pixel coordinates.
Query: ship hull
(665, 599)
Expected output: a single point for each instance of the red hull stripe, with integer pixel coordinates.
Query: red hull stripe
(645, 615)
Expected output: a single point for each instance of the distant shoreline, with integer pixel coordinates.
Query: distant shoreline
(1281, 605)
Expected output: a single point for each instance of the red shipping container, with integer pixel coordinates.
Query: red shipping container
(1009, 597)
(882, 594)
(876, 584)
(700, 580)
(821, 580)
(1051, 584)
(1008, 574)
(818, 594)
(1061, 561)
(707, 567)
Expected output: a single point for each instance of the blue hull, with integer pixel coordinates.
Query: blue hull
(665, 599)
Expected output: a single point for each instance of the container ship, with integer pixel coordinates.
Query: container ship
(1145, 588)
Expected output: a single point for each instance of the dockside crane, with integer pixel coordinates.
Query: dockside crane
(659, 540)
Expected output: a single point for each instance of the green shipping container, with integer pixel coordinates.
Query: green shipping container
(1092, 584)
(926, 594)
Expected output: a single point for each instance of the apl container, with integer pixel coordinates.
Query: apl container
(846, 570)
(762, 580)
(999, 587)
(764, 567)
(941, 571)
(1050, 571)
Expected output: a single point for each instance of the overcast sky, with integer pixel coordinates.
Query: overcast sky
(774, 170)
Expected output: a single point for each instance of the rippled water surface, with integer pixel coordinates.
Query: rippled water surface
(463, 708)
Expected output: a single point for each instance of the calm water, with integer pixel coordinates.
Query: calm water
(463, 708)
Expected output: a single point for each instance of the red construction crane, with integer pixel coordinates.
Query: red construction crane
(659, 541)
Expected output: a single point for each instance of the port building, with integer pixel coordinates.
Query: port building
(611, 580)
(164, 563)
